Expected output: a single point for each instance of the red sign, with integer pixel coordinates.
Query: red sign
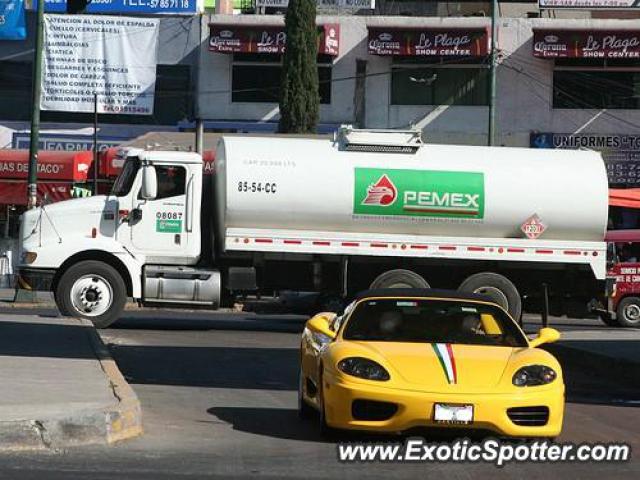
(52, 165)
(533, 227)
(452, 42)
(586, 43)
(266, 39)
(15, 193)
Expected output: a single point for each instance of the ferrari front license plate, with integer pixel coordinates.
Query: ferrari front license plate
(448, 413)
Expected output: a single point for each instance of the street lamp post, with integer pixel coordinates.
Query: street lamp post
(491, 137)
(32, 187)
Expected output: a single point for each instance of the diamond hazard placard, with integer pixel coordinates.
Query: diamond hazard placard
(533, 227)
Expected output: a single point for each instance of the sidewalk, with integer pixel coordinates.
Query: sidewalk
(60, 387)
(10, 295)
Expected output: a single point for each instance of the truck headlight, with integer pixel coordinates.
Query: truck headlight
(533, 375)
(363, 368)
(29, 257)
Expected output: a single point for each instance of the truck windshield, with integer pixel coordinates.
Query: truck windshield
(432, 321)
(123, 183)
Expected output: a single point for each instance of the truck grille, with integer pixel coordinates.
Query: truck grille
(372, 411)
(529, 416)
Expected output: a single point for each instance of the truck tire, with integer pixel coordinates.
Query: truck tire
(498, 288)
(399, 278)
(92, 290)
(628, 312)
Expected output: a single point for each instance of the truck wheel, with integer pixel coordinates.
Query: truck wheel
(628, 312)
(498, 288)
(399, 279)
(92, 290)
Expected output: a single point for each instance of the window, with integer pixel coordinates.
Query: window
(15, 94)
(172, 101)
(256, 78)
(436, 84)
(124, 182)
(171, 181)
(596, 84)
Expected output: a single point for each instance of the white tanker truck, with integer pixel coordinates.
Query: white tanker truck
(366, 209)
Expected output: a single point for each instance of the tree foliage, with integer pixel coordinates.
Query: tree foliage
(299, 96)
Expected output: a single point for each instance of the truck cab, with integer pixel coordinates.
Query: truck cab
(142, 240)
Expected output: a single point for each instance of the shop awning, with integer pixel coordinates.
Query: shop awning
(15, 193)
(252, 38)
(570, 43)
(52, 165)
(624, 197)
(429, 42)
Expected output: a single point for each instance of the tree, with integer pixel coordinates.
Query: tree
(299, 96)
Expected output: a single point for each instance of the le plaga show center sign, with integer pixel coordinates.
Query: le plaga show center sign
(111, 57)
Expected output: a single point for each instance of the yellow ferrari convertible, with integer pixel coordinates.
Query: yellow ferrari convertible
(398, 359)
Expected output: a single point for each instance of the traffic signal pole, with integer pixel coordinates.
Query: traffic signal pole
(491, 137)
(32, 186)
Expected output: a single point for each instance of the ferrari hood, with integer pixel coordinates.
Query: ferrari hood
(443, 365)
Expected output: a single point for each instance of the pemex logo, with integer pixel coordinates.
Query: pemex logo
(381, 193)
(418, 193)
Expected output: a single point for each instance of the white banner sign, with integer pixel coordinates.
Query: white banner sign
(344, 4)
(590, 4)
(113, 57)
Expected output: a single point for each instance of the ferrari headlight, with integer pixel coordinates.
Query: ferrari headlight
(533, 375)
(363, 368)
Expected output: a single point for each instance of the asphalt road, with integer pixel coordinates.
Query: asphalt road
(219, 400)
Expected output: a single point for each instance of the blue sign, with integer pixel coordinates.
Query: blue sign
(154, 7)
(64, 142)
(12, 24)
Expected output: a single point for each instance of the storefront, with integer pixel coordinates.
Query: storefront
(593, 69)
(434, 66)
(256, 54)
(58, 174)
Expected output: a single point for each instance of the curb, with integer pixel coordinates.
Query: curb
(106, 425)
(125, 419)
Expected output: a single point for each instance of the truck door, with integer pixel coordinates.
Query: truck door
(160, 224)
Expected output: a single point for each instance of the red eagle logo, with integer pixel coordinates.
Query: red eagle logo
(382, 193)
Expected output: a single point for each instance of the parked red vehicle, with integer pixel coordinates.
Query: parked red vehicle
(621, 304)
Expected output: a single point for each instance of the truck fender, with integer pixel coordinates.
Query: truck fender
(127, 265)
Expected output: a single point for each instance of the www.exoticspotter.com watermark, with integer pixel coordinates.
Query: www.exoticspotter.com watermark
(490, 451)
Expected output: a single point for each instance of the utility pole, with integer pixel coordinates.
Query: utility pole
(95, 143)
(491, 137)
(32, 177)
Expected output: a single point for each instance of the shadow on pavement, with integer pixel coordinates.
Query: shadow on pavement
(235, 322)
(215, 367)
(591, 378)
(284, 423)
(37, 337)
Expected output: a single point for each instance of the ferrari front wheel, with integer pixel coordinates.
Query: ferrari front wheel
(304, 410)
(325, 430)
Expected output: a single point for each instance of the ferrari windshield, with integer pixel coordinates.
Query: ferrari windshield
(432, 321)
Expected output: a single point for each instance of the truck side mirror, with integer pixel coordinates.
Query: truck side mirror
(149, 189)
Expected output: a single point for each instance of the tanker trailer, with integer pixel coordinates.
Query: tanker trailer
(392, 211)
(366, 209)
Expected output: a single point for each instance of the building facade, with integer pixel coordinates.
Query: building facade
(562, 82)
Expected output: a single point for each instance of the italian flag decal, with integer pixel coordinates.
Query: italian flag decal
(444, 352)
